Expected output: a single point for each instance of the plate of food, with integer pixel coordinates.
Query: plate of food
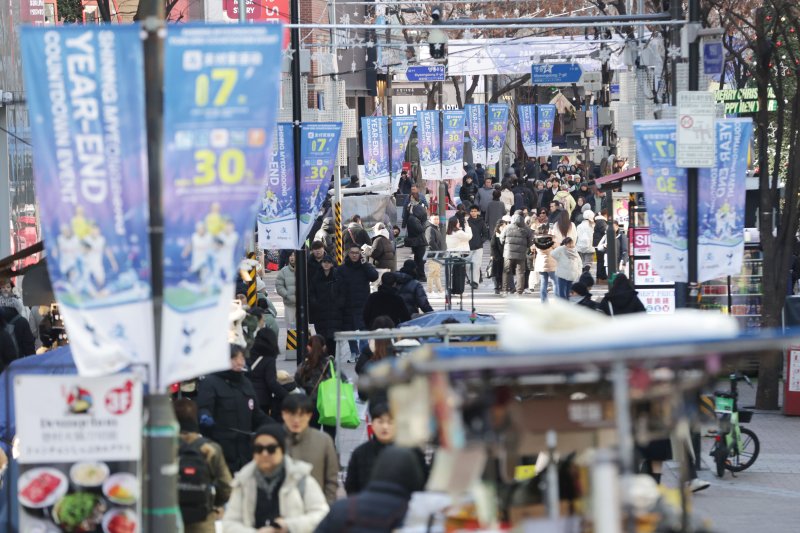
(79, 512)
(89, 475)
(121, 488)
(41, 487)
(120, 521)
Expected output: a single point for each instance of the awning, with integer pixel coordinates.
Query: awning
(618, 177)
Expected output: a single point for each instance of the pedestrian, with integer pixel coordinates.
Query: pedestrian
(517, 241)
(326, 302)
(8, 346)
(586, 277)
(496, 210)
(264, 375)
(13, 312)
(382, 506)
(622, 298)
(405, 183)
(274, 492)
(310, 445)
(415, 239)
(285, 286)
(469, 191)
(568, 267)
(355, 234)
(226, 402)
(543, 264)
(600, 229)
(458, 235)
(581, 296)
(411, 290)
(386, 301)
(363, 458)
(200, 504)
(383, 255)
(436, 243)
(356, 275)
(622, 246)
(376, 350)
(507, 195)
(414, 198)
(496, 247)
(480, 234)
(550, 191)
(577, 214)
(563, 228)
(270, 316)
(327, 236)
(584, 239)
(312, 371)
(485, 195)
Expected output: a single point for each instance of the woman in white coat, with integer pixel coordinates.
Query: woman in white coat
(458, 235)
(583, 243)
(274, 493)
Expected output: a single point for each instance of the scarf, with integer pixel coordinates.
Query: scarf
(269, 482)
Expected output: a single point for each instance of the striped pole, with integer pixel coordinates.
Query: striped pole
(337, 214)
(291, 339)
(252, 286)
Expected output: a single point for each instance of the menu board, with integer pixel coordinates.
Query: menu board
(79, 453)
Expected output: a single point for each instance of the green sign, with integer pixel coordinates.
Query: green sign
(744, 101)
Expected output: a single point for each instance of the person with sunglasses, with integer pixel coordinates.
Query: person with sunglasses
(274, 493)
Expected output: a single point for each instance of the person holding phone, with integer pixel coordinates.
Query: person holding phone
(274, 493)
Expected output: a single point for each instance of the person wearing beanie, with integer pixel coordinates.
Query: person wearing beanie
(383, 254)
(190, 439)
(386, 301)
(274, 492)
(362, 461)
(263, 372)
(382, 506)
(580, 295)
(226, 402)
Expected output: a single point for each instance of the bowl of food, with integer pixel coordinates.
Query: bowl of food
(121, 488)
(40, 488)
(89, 475)
(120, 521)
(79, 512)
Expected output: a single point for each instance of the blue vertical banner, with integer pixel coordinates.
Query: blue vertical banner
(527, 115)
(319, 146)
(221, 86)
(666, 193)
(593, 117)
(375, 146)
(85, 92)
(430, 161)
(401, 133)
(721, 198)
(476, 126)
(453, 144)
(498, 127)
(547, 118)
(277, 215)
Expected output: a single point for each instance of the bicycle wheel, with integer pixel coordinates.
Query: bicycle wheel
(747, 455)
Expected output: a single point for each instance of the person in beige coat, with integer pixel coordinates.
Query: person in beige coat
(543, 263)
(274, 493)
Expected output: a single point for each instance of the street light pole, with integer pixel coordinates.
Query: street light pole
(160, 499)
(300, 271)
(691, 173)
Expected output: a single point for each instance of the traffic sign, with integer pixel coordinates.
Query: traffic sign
(556, 73)
(425, 73)
(696, 138)
(713, 58)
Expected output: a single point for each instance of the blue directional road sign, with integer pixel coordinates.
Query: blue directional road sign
(713, 58)
(556, 73)
(425, 73)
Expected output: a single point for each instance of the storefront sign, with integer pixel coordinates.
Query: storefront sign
(640, 241)
(743, 101)
(658, 301)
(645, 274)
(79, 452)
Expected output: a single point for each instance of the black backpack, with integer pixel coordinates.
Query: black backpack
(195, 483)
(519, 200)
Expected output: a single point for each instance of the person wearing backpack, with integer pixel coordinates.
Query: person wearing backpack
(204, 481)
(16, 325)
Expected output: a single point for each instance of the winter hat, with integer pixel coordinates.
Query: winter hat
(588, 214)
(410, 268)
(580, 289)
(328, 259)
(400, 466)
(275, 431)
(265, 343)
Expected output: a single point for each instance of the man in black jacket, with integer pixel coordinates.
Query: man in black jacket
(229, 411)
(480, 234)
(411, 290)
(416, 237)
(386, 302)
(363, 458)
(600, 228)
(355, 275)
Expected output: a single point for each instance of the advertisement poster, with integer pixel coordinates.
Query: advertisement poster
(665, 190)
(401, 133)
(498, 127)
(277, 216)
(319, 145)
(721, 202)
(597, 132)
(428, 145)
(453, 144)
(79, 452)
(793, 370)
(375, 144)
(547, 120)
(620, 207)
(527, 129)
(658, 301)
(85, 92)
(476, 126)
(220, 105)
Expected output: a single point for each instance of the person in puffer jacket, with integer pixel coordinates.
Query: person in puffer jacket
(326, 234)
(410, 290)
(416, 237)
(383, 255)
(517, 240)
(285, 287)
(568, 267)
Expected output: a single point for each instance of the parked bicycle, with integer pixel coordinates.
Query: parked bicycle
(735, 447)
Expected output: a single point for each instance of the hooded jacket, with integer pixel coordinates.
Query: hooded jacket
(325, 235)
(355, 277)
(568, 263)
(383, 255)
(416, 226)
(469, 191)
(285, 286)
(412, 293)
(355, 234)
(585, 235)
(621, 302)
(518, 239)
(479, 232)
(385, 301)
(300, 497)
